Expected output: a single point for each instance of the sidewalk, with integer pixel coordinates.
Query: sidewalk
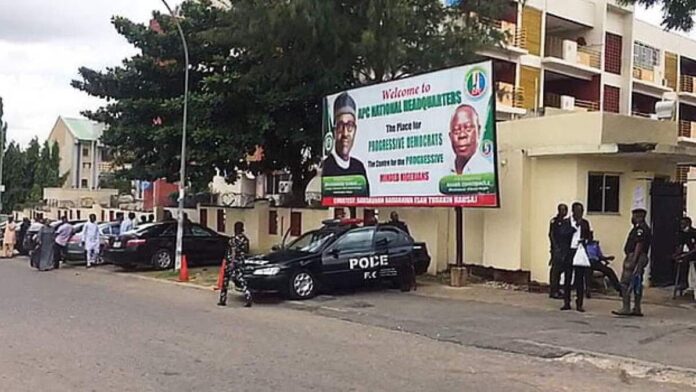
(658, 302)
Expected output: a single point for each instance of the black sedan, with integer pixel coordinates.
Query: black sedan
(154, 245)
(336, 256)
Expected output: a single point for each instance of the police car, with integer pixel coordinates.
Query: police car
(341, 254)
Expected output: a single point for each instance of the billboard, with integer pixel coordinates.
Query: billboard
(427, 140)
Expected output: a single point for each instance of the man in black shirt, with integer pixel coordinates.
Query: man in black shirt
(636, 249)
(339, 162)
(394, 221)
(685, 256)
(560, 234)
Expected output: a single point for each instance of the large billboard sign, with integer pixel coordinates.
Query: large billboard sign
(427, 140)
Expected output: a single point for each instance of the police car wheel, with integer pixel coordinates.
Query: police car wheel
(302, 285)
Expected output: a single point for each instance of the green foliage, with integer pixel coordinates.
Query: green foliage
(259, 71)
(676, 14)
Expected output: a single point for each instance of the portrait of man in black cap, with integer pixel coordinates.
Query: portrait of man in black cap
(339, 162)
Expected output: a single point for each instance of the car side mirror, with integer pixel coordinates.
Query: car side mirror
(334, 252)
(275, 248)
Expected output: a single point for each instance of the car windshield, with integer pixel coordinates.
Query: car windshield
(312, 241)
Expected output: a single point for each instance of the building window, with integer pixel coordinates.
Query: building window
(683, 174)
(87, 166)
(221, 224)
(85, 151)
(203, 217)
(603, 193)
(84, 183)
(612, 54)
(273, 182)
(273, 222)
(645, 56)
(295, 224)
(611, 99)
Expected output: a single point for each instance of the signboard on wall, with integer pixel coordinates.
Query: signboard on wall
(427, 140)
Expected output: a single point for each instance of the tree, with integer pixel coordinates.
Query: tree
(13, 177)
(259, 72)
(676, 14)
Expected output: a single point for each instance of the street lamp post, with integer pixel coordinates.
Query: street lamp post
(182, 168)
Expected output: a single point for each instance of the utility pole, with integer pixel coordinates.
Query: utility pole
(182, 169)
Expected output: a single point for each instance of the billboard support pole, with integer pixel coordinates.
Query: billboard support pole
(458, 273)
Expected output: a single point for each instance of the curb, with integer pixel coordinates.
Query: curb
(627, 366)
(158, 280)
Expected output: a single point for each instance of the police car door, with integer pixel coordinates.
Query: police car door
(393, 249)
(347, 261)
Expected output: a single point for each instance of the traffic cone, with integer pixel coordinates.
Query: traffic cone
(221, 274)
(183, 272)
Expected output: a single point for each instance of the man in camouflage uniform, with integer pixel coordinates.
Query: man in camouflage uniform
(636, 249)
(236, 254)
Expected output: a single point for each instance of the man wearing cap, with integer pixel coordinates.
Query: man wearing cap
(339, 162)
(636, 249)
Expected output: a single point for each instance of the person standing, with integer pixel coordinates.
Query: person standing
(22, 233)
(636, 250)
(9, 238)
(560, 235)
(394, 221)
(43, 256)
(91, 240)
(63, 234)
(579, 238)
(686, 256)
(236, 254)
(127, 223)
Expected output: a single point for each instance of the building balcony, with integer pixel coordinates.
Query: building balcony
(566, 57)
(569, 103)
(687, 89)
(650, 81)
(509, 100)
(514, 43)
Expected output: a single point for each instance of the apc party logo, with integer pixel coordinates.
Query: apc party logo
(476, 83)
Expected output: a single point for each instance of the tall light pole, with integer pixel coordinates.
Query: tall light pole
(182, 168)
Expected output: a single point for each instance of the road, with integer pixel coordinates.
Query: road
(77, 330)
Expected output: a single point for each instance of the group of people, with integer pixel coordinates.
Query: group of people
(575, 255)
(13, 237)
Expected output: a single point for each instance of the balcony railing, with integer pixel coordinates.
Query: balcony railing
(514, 35)
(555, 101)
(571, 52)
(637, 113)
(687, 84)
(508, 95)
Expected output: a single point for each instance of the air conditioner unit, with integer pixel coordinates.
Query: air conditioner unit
(570, 51)
(567, 102)
(284, 186)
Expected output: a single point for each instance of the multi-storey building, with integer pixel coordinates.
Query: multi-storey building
(589, 55)
(82, 157)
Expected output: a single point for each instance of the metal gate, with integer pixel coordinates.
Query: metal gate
(666, 209)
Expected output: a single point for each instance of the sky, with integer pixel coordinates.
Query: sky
(44, 42)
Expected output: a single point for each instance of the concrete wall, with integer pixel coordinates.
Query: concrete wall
(55, 196)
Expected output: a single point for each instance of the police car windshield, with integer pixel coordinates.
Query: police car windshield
(311, 242)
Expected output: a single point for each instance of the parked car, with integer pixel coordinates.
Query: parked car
(75, 250)
(30, 238)
(153, 244)
(339, 255)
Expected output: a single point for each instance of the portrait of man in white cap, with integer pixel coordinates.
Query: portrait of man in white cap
(339, 162)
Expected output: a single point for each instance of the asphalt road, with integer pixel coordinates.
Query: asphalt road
(73, 330)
